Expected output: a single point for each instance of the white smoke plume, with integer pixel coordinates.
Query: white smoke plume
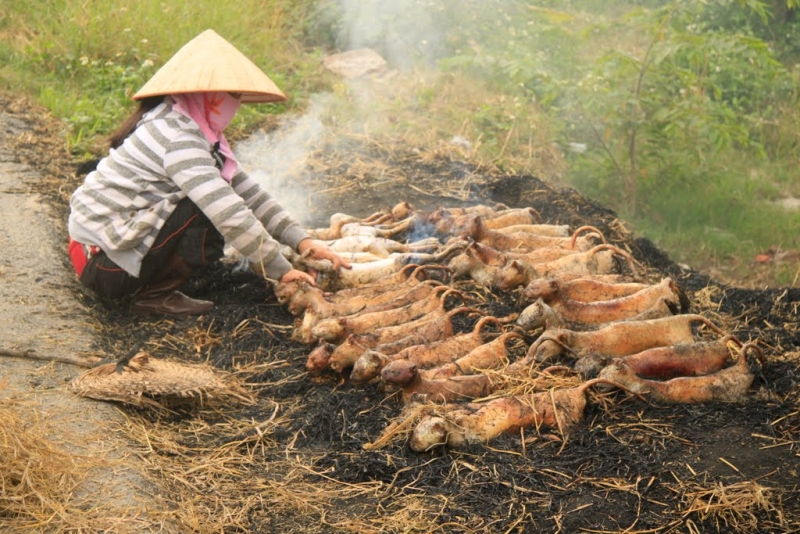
(405, 32)
(377, 24)
(272, 158)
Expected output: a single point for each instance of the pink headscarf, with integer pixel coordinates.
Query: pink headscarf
(212, 112)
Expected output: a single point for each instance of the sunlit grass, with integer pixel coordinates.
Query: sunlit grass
(84, 60)
(725, 224)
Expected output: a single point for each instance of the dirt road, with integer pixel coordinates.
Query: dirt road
(38, 311)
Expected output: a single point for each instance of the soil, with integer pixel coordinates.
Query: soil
(630, 465)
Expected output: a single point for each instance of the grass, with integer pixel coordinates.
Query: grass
(737, 216)
(497, 100)
(720, 221)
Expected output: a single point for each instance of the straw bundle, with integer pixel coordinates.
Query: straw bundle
(143, 381)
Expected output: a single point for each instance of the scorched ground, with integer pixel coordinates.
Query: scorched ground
(297, 461)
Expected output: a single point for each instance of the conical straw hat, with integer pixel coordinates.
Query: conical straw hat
(209, 63)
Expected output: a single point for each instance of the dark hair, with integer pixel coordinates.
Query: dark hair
(127, 127)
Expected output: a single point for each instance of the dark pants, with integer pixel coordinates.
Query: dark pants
(187, 234)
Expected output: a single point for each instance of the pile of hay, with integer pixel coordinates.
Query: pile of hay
(37, 478)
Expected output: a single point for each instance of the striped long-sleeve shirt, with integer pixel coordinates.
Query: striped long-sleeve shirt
(123, 204)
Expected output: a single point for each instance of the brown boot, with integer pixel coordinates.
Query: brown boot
(161, 295)
(170, 303)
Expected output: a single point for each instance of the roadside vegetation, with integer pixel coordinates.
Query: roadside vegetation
(682, 116)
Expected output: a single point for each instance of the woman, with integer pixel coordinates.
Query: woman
(170, 193)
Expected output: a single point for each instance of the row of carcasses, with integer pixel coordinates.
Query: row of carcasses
(579, 301)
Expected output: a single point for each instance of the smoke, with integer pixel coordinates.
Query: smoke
(273, 158)
(403, 32)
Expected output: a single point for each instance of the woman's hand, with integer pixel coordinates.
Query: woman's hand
(318, 251)
(295, 275)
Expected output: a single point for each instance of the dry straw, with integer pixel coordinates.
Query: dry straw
(734, 506)
(144, 381)
(37, 479)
